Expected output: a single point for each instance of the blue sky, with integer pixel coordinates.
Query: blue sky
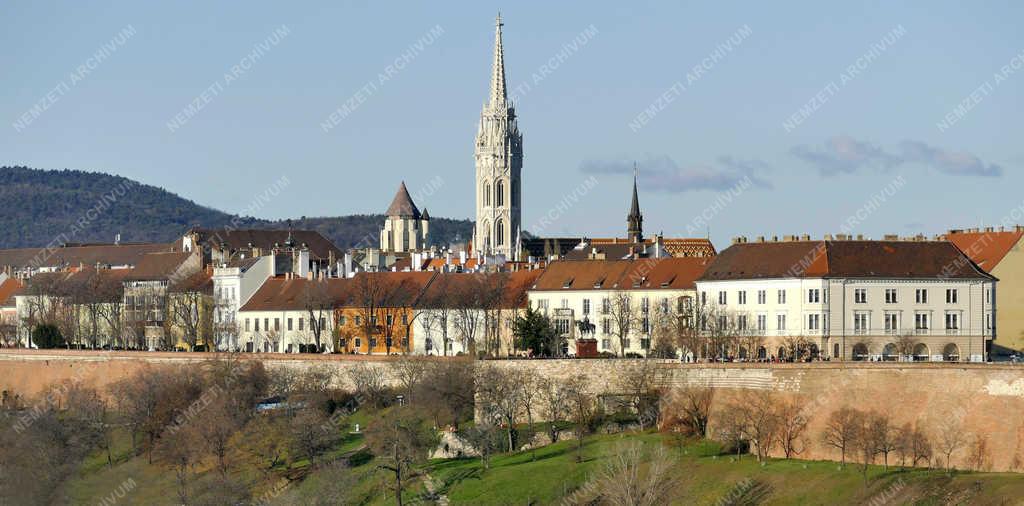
(716, 129)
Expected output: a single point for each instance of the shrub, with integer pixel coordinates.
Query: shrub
(47, 336)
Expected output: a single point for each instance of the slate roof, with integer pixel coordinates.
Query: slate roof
(402, 205)
(319, 246)
(72, 256)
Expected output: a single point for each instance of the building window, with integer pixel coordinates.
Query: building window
(499, 233)
(358, 321)
(780, 322)
(277, 324)
(741, 297)
(988, 321)
(664, 304)
(782, 296)
(645, 305)
(762, 322)
(405, 318)
(606, 326)
(951, 296)
(606, 306)
(586, 306)
(257, 320)
(721, 297)
(890, 295)
(860, 323)
(323, 323)
(892, 322)
(761, 296)
(723, 322)
(921, 296)
(606, 344)
(921, 321)
(499, 193)
(562, 326)
(247, 325)
(266, 324)
(487, 194)
(645, 344)
(341, 321)
(625, 344)
(289, 324)
(645, 325)
(813, 321)
(741, 322)
(860, 296)
(302, 322)
(813, 296)
(703, 298)
(952, 321)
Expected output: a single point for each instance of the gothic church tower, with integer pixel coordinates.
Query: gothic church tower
(499, 163)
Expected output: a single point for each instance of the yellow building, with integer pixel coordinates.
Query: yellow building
(999, 253)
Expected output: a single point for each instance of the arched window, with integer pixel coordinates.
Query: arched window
(499, 233)
(860, 351)
(499, 194)
(889, 353)
(487, 194)
(921, 352)
(487, 235)
(951, 353)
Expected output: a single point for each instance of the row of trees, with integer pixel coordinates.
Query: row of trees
(89, 309)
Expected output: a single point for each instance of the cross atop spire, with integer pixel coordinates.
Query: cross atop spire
(498, 93)
(635, 220)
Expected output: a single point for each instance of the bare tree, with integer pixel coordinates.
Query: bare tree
(555, 401)
(632, 476)
(920, 446)
(841, 430)
(760, 422)
(470, 314)
(318, 305)
(499, 398)
(410, 372)
(951, 439)
(792, 425)
(695, 403)
(980, 454)
(369, 383)
(905, 344)
(624, 317)
(640, 384)
(400, 441)
(888, 437)
(188, 307)
(582, 409)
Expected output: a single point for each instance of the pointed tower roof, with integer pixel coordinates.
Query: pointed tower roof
(402, 205)
(498, 92)
(634, 208)
(426, 215)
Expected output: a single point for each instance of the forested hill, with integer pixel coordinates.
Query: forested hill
(40, 206)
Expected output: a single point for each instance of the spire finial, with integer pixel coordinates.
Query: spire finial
(498, 93)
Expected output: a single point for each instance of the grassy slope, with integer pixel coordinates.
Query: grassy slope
(705, 478)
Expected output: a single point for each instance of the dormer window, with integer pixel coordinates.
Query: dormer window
(568, 283)
(599, 283)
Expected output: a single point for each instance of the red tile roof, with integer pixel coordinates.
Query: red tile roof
(157, 266)
(986, 249)
(73, 256)
(8, 289)
(677, 273)
(281, 293)
(833, 259)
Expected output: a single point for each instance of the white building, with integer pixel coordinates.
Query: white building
(233, 284)
(853, 299)
(621, 303)
(405, 229)
(286, 313)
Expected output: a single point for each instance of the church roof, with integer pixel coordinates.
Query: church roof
(634, 208)
(402, 205)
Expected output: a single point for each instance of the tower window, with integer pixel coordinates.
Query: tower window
(487, 194)
(499, 233)
(499, 194)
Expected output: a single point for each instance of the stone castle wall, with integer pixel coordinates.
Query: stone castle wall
(985, 399)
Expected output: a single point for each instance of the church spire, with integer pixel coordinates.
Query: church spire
(635, 220)
(498, 93)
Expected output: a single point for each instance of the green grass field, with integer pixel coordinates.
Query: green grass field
(703, 476)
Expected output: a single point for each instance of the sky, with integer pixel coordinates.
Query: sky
(747, 118)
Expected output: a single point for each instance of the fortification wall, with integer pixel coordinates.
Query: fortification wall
(985, 399)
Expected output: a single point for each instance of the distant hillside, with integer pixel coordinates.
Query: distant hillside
(41, 206)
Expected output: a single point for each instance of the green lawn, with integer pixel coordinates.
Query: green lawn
(704, 477)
